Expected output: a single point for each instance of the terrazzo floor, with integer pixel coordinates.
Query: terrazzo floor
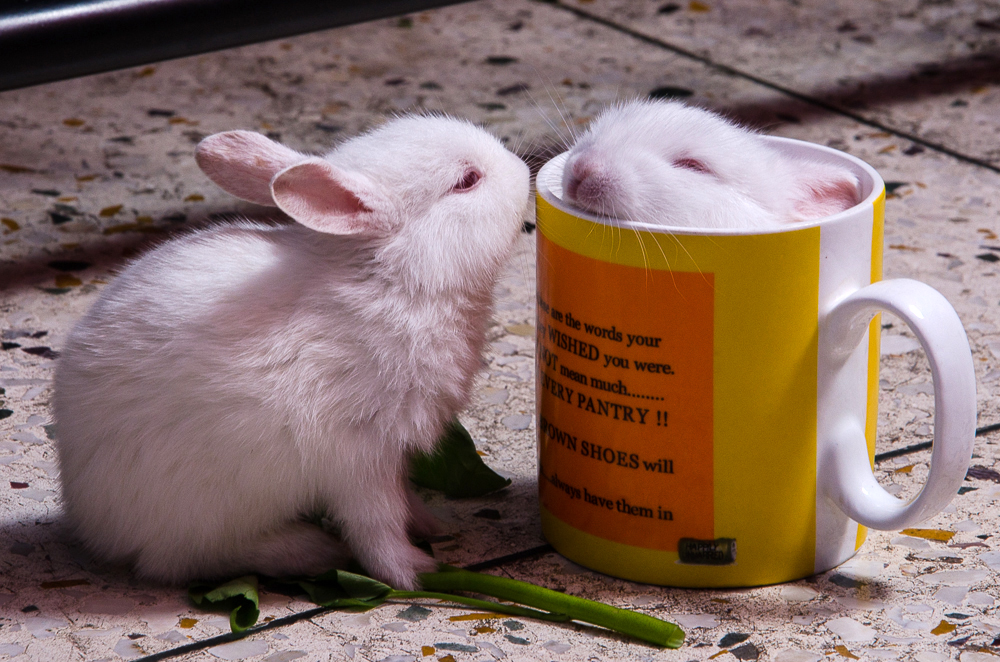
(95, 170)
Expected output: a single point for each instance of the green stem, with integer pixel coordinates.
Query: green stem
(510, 610)
(640, 626)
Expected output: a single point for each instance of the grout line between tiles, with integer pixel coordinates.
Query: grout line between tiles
(230, 637)
(739, 73)
(924, 445)
(510, 558)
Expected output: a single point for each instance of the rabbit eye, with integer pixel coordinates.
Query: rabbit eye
(469, 180)
(692, 164)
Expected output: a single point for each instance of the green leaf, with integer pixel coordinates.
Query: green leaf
(624, 621)
(342, 590)
(239, 597)
(339, 589)
(487, 605)
(455, 467)
(360, 586)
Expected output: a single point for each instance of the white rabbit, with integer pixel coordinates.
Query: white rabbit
(666, 163)
(231, 381)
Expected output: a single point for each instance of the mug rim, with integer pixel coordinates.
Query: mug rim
(548, 184)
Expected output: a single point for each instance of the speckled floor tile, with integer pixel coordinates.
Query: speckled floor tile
(926, 68)
(93, 170)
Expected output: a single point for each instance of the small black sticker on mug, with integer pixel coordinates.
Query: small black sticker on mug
(721, 551)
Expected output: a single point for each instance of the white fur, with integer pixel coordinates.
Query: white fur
(629, 164)
(232, 381)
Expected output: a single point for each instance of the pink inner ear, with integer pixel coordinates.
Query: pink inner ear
(242, 163)
(825, 198)
(319, 196)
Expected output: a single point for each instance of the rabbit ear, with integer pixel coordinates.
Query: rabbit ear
(243, 163)
(825, 190)
(325, 198)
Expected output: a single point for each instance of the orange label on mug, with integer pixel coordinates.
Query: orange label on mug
(642, 473)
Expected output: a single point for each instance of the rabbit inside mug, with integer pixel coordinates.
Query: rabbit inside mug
(668, 164)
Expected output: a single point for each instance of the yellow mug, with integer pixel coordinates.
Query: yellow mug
(707, 399)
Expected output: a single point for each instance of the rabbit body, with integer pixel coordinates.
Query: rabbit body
(230, 382)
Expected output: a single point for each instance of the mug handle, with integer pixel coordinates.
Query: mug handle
(846, 476)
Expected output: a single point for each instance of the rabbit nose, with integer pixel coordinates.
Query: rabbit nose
(576, 174)
(588, 184)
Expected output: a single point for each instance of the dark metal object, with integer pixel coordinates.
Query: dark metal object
(47, 40)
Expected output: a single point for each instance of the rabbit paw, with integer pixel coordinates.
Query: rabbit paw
(400, 570)
(422, 523)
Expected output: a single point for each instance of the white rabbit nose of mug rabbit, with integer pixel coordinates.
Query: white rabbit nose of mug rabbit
(590, 185)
